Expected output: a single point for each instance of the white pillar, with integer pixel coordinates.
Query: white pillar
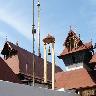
(45, 64)
(53, 67)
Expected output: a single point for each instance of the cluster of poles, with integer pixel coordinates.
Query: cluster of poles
(46, 41)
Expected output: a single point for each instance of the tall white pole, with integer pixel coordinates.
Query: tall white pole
(53, 67)
(45, 64)
(39, 54)
(33, 46)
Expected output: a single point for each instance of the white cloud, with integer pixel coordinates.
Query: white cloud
(17, 21)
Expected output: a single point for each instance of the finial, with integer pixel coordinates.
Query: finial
(17, 43)
(6, 38)
(91, 40)
(70, 27)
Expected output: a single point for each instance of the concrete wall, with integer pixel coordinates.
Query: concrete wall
(11, 89)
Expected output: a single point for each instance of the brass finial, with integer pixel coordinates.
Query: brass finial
(91, 40)
(6, 38)
(70, 27)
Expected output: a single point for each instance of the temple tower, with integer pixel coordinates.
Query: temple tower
(76, 54)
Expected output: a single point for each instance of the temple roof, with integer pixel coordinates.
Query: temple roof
(6, 73)
(74, 44)
(83, 47)
(24, 63)
(71, 33)
(74, 79)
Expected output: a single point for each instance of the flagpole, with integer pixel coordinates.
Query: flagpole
(38, 5)
(33, 30)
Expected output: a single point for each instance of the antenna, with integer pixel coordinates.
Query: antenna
(38, 5)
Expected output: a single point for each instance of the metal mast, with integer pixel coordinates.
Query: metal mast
(39, 54)
(33, 31)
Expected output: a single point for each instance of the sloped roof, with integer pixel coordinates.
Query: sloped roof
(74, 79)
(25, 63)
(78, 44)
(6, 74)
(83, 47)
(93, 60)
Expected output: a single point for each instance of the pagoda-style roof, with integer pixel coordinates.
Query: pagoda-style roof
(23, 63)
(75, 79)
(85, 46)
(74, 44)
(6, 73)
(72, 34)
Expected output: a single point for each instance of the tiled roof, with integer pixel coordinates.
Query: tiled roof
(93, 60)
(83, 47)
(6, 74)
(75, 44)
(74, 79)
(25, 63)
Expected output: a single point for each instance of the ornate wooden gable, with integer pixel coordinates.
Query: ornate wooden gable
(8, 51)
(72, 41)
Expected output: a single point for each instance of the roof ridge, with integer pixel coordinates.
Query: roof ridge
(30, 52)
(20, 47)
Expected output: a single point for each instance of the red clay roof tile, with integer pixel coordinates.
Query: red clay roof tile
(74, 79)
(83, 47)
(6, 73)
(25, 63)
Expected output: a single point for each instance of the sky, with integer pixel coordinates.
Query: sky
(55, 18)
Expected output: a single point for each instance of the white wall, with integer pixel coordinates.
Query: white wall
(74, 66)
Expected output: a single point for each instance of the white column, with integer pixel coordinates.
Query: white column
(53, 67)
(45, 64)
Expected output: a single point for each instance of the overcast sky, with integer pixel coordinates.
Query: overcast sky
(56, 17)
